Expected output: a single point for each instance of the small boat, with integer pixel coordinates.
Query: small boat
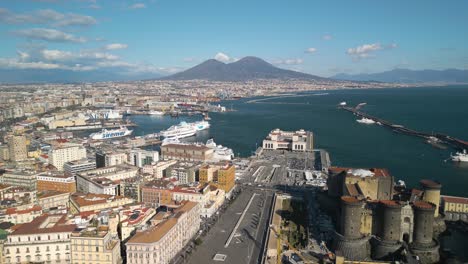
(460, 156)
(154, 112)
(435, 142)
(343, 104)
(366, 121)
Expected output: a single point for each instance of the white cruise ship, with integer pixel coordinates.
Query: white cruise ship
(220, 152)
(460, 156)
(200, 125)
(181, 130)
(112, 133)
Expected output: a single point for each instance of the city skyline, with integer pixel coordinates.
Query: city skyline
(160, 38)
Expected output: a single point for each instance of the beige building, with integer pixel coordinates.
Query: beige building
(53, 199)
(300, 140)
(95, 202)
(21, 214)
(63, 153)
(20, 178)
(186, 152)
(44, 240)
(157, 170)
(95, 245)
(159, 244)
(17, 148)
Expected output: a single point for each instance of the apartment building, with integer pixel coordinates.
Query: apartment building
(17, 148)
(160, 243)
(222, 176)
(55, 181)
(20, 178)
(95, 245)
(44, 240)
(63, 153)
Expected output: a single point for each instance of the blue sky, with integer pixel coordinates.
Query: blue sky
(317, 37)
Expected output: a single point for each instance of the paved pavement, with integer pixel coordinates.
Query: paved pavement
(247, 242)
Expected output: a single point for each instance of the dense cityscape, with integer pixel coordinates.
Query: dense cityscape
(235, 132)
(72, 193)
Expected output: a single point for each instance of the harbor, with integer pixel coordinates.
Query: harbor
(436, 138)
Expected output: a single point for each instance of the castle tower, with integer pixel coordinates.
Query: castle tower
(423, 243)
(386, 244)
(349, 242)
(351, 213)
(432, 193)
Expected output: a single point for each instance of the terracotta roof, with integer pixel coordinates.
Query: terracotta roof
(155, 233)
(91, 199)
(453, 199)
(430, 184)
(186, 146)
(423, 205)
(11, 211)
(34, 227)
(349, 199)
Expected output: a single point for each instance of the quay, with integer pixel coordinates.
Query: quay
(454, 142)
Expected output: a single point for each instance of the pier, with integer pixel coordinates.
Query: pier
(443, 138)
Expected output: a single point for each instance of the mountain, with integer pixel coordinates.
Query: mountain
(65, 76)
(410, 76)
(248, 68)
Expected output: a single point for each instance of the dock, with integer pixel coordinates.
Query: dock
(446, 139)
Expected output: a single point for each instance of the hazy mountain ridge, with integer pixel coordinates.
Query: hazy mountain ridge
(66, 76)
(410, 76)
(247, 68)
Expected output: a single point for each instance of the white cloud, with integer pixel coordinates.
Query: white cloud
(311, 50)
(46, 16)
(367, 50)
(57, 55)
(222, 57)
(327, 37)
(293, 61)
(138, 6)
(49, 35)
(116, 46)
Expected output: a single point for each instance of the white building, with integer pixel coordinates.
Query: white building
(63, 153)
(45, 239)
(141, 157)
(300, 140)
(74, 167)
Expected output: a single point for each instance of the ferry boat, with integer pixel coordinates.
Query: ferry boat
(460, 156)
(181, 130)
(154, 112)
(366, 121)
(112, 133)
(200, 125)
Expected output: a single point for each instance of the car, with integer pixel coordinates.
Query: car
(295, 259)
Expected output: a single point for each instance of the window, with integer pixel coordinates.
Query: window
(97, 249)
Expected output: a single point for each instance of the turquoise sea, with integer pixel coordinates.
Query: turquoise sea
(351, 144)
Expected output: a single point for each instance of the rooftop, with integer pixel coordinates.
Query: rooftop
(45, 224)
(454, 199)
(154, 234)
